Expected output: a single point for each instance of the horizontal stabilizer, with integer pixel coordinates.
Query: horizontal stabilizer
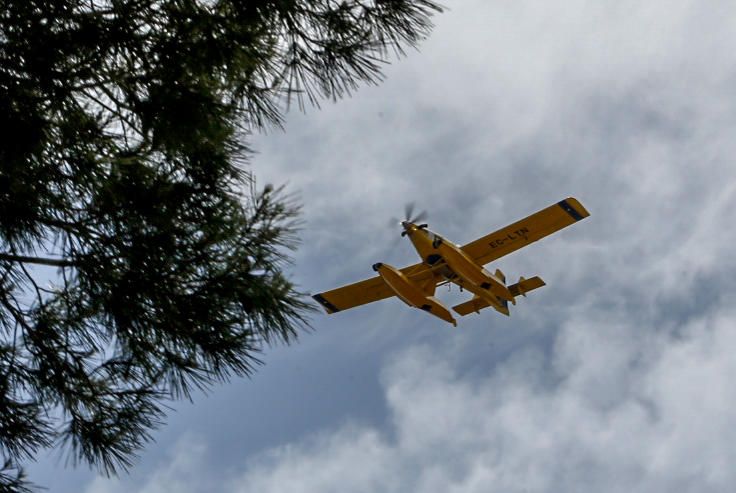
(525, 285)
(474, 305)
(477, 304)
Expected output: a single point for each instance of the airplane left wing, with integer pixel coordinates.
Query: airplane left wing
(370, 290)
(528, 230)
(353, 295)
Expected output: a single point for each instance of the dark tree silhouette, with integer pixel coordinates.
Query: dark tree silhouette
(138, 260)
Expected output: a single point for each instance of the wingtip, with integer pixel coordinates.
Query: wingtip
(575, 204)
(329, 307)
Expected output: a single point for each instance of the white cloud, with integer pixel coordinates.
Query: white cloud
(511, 106)
(184, 471)
(631, 409)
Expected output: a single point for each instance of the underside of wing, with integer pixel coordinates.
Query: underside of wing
(373, 289)
(353, 295)
(526, 231)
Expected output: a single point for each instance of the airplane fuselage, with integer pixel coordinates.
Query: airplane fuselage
(450, 261)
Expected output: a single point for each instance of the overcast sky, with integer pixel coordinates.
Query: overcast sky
(617, 376)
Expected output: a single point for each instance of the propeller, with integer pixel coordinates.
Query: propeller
(410, 217)
(409, 212)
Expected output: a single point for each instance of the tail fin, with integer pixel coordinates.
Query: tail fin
(503, 307)
(521, 283)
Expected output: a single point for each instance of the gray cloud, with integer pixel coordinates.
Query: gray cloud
(632, 410)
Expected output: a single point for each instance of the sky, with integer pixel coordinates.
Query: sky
(616, 376)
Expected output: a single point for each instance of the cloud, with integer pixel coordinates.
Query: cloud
(632, 410)
(184, 471)
(628, 409)
(511, 107)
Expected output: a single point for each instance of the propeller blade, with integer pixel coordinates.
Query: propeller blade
(420, 217)
(409, 210)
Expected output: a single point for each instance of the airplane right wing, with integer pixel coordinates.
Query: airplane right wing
(522, 233)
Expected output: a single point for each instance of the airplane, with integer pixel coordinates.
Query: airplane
(445, 262)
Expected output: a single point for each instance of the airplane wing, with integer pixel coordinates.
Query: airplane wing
(528, 230)
(370, 290)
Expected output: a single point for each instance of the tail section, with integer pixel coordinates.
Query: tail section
(476, 304)
(525, 285)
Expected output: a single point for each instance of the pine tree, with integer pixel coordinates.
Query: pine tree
(138, 259)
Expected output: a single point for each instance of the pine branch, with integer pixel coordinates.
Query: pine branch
(178, 278)
(37, 260)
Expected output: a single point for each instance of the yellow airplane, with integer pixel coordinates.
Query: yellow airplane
(444, 262)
